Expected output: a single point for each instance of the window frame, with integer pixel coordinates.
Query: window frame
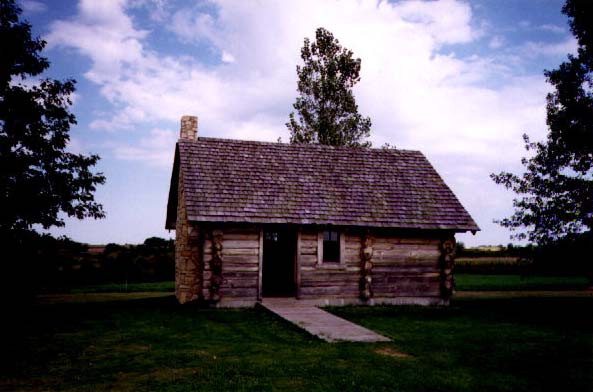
(341, 248)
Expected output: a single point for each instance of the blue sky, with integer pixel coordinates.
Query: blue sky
(459, 80)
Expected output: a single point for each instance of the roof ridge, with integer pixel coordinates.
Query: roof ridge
(299, 145)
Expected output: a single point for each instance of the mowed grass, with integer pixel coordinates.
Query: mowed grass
(165, 286)
(154, 344)
(474, 282)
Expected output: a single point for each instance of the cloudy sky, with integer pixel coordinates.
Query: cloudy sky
(459, 80)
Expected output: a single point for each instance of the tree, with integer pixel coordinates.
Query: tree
(39, 179)
(326, 109)
(556, 189)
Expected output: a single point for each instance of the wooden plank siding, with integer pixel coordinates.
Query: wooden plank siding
(402, 267)
(329, 280)
(240, 264)
(405, 267)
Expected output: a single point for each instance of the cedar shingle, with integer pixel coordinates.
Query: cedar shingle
(246, 181)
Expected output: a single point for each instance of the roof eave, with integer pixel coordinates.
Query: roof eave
(171, 219)
(316, 222)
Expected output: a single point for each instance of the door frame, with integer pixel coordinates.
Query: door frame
(296, 260)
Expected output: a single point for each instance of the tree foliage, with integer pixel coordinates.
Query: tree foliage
(327, 112)
(557, 187)
(39, 178)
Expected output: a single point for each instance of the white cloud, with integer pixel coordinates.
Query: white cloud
(417, 95)
(32, 6)
(191, 26)
(106, 35)
(227, 57)
(156, 149)
(496, 42)
(552, 28)
(532, 49)
(447, 21)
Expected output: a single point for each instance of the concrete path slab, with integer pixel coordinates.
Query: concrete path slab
(320, 323)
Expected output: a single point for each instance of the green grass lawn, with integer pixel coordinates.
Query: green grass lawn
(117, 288)
(535, 344)
(464, 282)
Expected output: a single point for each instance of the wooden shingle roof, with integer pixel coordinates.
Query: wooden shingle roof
(245, 181)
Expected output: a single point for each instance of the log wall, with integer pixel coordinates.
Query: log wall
(240, 264)
(329, 280)
(399, 267)
(405, 267)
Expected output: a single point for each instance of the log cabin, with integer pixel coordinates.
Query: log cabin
(328, 225)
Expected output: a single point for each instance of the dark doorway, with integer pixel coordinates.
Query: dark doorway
(278, 278)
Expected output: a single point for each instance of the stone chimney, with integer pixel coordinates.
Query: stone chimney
(189, 128)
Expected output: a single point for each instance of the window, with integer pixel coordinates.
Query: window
(331, 247)
(271, 236)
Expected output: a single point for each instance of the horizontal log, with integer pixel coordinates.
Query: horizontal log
(308, 259)
(238, 268)
(405, 241)
(390, 279)
(407, 250)
(308, 250)
(325, 267)
(379, 294)
(235, 252)
(353, 239)
(408, 275)
(240, 230)
(347, 285)
(351, 261)
(406, 293)
(239, 283)
(432, 279)
(232, 259)
(239, 244)
(405, 286)
(230, 265)
(354, 247)
(403, 269)
(249, 259)
(352, 252)
(330, 290)
(240, 275)
(405, 260)
(308, 237)
(232, 292)
(324, 277)
(338, 279)
(343, 281)
(240, 237)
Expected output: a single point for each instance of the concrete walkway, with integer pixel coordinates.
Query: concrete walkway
(320, 323)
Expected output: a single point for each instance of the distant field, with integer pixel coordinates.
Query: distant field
(472, 282)
(492, 265)
(486, 260)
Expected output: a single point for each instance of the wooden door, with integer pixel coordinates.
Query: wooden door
(278, 270)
